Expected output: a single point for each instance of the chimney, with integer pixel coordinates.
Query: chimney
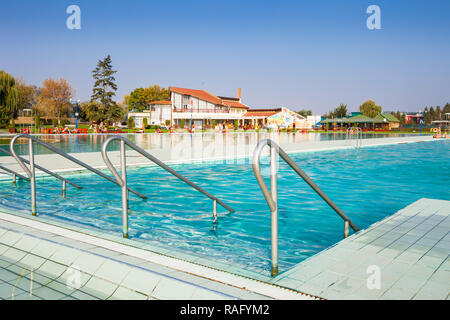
(239, 94)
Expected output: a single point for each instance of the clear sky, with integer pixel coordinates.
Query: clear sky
(298, 54)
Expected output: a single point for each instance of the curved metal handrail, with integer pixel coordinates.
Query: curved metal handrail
(30, 171)
(359, 137)
(271, 196)
(122, 179)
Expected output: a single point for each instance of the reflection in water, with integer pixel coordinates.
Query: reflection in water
(93, 143)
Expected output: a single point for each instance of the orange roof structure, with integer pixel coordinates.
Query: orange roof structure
(262, 112)
(201, 94)
(161, 102)
(234, 104)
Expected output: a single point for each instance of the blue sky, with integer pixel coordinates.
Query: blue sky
(298, 54)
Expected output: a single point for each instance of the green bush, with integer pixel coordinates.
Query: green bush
(167, 122)
(214, 123)
(130, 123)
(12, 124)
(182, 123)
(145, 122)
(236, 124)
(37, 121)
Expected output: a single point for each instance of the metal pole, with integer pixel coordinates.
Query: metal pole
(64, 189)
(346, 229)
(214, 211)
(274, 212)
(124, 189)
(14, 178)
(32, 178)
(76, 115)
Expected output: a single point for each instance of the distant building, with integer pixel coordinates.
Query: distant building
(383, 121)
(204, 108)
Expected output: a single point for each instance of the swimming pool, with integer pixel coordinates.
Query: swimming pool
(93, 143)
(367, 184)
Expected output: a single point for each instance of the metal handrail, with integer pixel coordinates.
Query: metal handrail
(14, 174)
(359, 137)
(272, 198)
(57, 176)
(31, 171)
(122, 179)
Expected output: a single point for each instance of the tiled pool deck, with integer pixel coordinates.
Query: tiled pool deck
(109, 269)
(411, 249)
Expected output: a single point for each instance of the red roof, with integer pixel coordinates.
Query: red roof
(234, 104)
(161, 102)
(261, 113)
(201, 94)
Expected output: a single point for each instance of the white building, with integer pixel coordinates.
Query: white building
(205, 109)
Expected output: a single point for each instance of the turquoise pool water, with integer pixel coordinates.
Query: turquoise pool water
(367, 184)
(93, 143)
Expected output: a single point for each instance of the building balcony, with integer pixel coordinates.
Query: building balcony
(196, 110)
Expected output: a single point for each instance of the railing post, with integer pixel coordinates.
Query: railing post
(346, 228)
(64, 188)
(14, 178)
(274, 213)
(124, 189)
(214, 211)
(32, 177)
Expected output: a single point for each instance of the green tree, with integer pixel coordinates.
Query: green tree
(305, 113)
(339, 112)
(27, 94)
(370, 109)
(9, 98)
(96, 112)
(130, 123)
(102, 106)
(140, 98)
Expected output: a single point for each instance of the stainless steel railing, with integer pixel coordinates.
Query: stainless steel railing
(349, 136)
(31, 170)
(122, 178)
(14, 174)
(272, 198)
(57, 176)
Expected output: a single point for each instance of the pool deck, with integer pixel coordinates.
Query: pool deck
(409, 249)
(38, 261)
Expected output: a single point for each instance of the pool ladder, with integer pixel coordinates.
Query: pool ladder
(349, 136)
(120, 180)
(272, 197)
(30, 171)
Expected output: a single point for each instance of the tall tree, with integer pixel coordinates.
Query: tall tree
(9, 98)
(54, 98)
(370, 109)
(102, 107)
(140, 98)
